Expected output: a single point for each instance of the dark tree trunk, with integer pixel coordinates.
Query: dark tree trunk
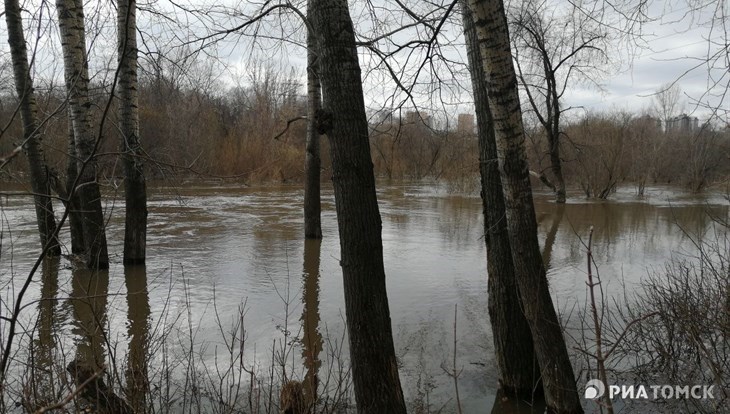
(557, 374)
(553, 134)
(518, 370)
(135, 188)
(39, 177)
(76, 75)
(557, 169)
(75, 223)
(343, 119)
(312, 205)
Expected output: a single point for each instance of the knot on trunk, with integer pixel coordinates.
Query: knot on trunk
(323, 121)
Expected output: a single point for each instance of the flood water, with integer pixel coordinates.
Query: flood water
(220, 256)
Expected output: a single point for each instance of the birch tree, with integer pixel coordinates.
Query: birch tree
(135, 188)
(518, 371)
(76, 76)
(39, 177)
(550, 349)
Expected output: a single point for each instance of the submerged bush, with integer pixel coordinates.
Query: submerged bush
(687, 342)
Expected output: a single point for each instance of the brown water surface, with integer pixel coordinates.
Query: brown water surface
(213, 248)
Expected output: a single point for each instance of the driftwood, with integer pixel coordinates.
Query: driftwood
(95, 391)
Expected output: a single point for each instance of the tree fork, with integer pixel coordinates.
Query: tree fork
(76, 76)
(551, 351)
(513, 345)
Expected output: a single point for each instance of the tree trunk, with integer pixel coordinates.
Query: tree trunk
(374, 367)
(75, 223)
(552, 354)
(557, 169)
(518, 370)
(135, 188)
(39, 178)
(71, 26)
(555, 162)
(312, 205)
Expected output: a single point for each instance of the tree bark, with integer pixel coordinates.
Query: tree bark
(518, 370)
(553, 135)
(343, 119)
(557, 374)
(39, 177)
(75, 222)
(76, 75)
(312, 164)
(557, 169)
(135, 187)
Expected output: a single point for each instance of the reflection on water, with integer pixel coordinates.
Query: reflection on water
(88, 303)
(241, 243)
(312, 337)
(138, 314)
(42, 384)
(505, 405)
(556, 216)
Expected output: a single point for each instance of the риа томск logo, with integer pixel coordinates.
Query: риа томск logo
(596, 389)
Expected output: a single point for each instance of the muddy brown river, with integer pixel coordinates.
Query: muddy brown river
(221, 256)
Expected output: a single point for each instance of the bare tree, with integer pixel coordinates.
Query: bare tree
(513, 345)
(552, 50)
(600, 152)
(76, 74)
(550, 349)
(39, 176)
(667, 103)
(135, 188)
(343, 119)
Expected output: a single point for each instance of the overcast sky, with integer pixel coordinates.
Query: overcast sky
(674, 45)
(677, 46)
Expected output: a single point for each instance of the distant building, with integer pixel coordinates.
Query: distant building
(382, 117)
(683, 123)
(465, 124)
(417, 118)
(648, 121)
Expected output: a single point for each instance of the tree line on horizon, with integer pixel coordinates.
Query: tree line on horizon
(242, 133)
